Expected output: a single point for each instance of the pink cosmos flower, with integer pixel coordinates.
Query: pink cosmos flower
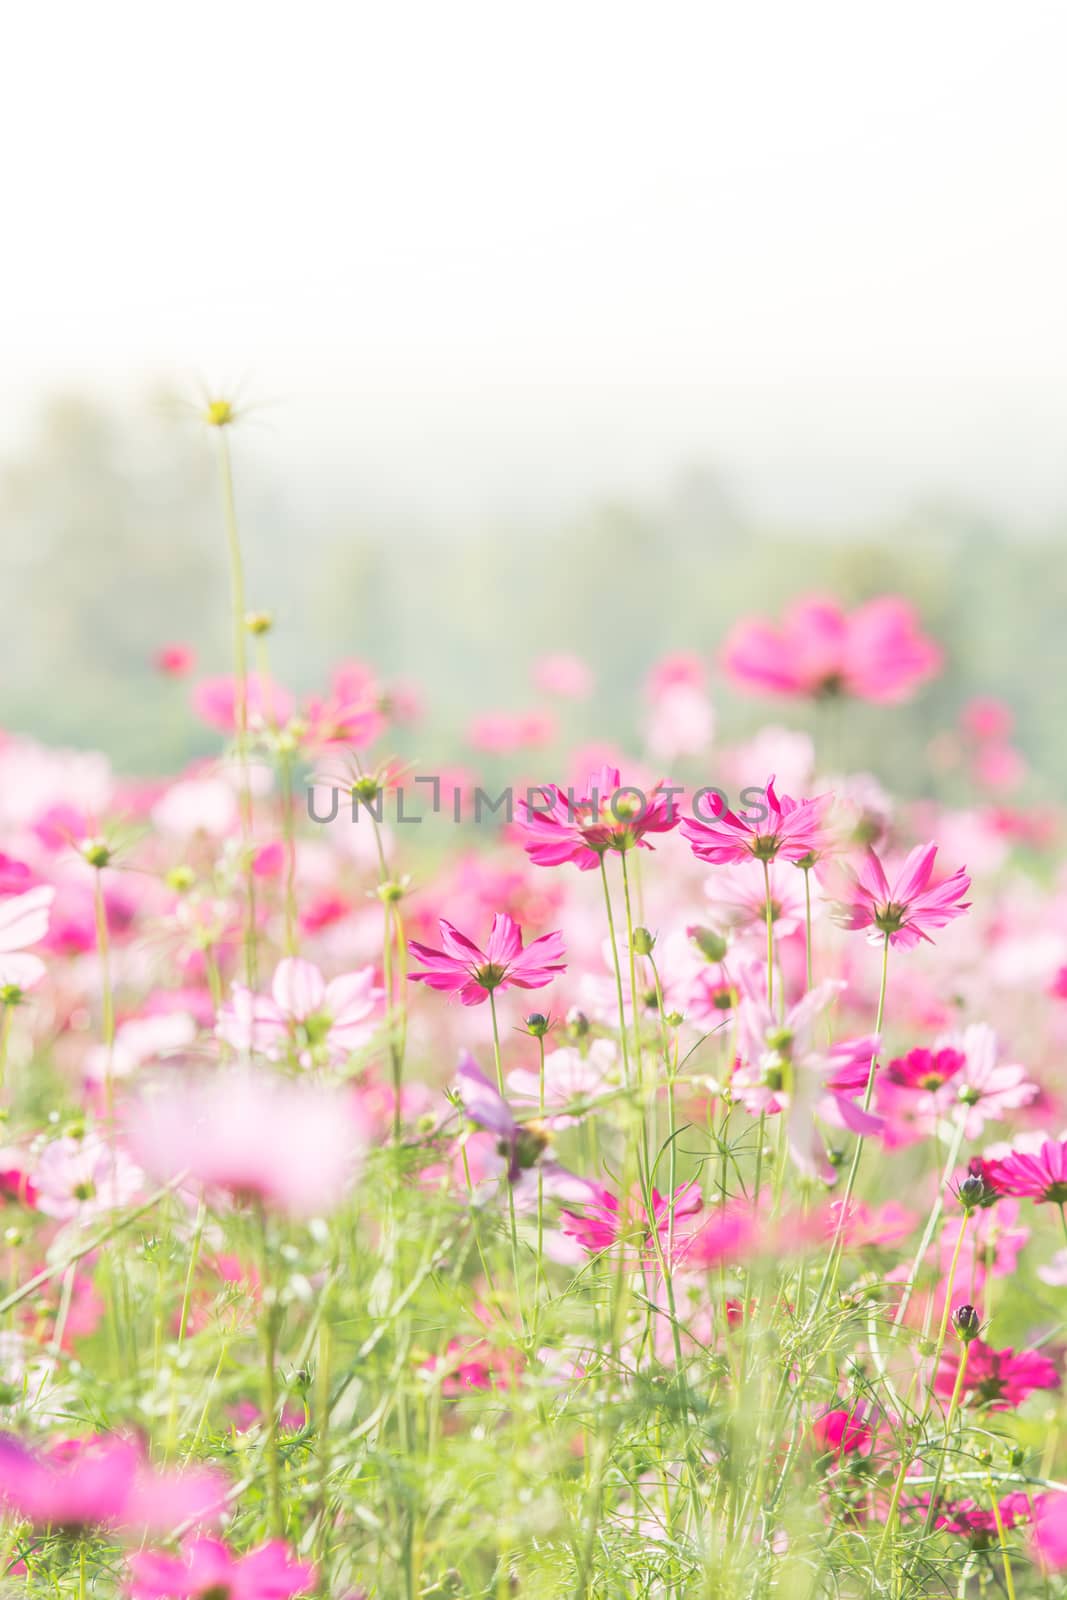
(976, 1522)
(23, 921)
(905, 909)
(569, 1079)
(839, 1432)
(603, 1221)
(174, 660)
(103, 1481)
(981, 1088)
(522, 1146)
(503, 732)
(739, 898)
(609, 815)
(875, 653)
(1050, 1531)
(84, 1178)
(565, 675)
(293, 1147)
(924, 1069)
(207, 1569)
(1041, 1177)
(463, 969)
(794, 830)
(783, 1069)
(318, 1021)
(215, 702)
(999, 1379)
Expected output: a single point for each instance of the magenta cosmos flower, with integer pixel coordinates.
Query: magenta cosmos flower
(907, 908)
(103, 1482)
(609, 815)
(462, 969)
(1038, 1177)
(1050, 1531)
(875, 653)
(999, 1379)
(794, 830)
(208, 1568)
(290, 1146)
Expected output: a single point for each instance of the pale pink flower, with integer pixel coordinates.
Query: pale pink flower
(567, 676)
(137, 1041)
(570, 1079)
(290, 1146)
(23, 921)
(875, 653)
(783, 1068)
(84, 1178)
(317, 1021)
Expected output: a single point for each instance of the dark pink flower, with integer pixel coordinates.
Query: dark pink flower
(1038, 1177)
(875, 653)
(462, 968)
(794, 830)
(906, 908)
(999, 1379)
(207, 1569)
(609, 815)
(925, 1069)
(840, 1432)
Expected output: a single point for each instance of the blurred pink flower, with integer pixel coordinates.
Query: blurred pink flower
(174, 660)
(318, 1021)
(103, 1481)
(999, 1379)
(565, 675)
(207, 1569)
(875, 653)
(23, 921)
(215, 702)
(290, 1146)
(84, 1178)
(462, 969)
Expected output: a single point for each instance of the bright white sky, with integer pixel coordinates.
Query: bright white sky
(501, 256)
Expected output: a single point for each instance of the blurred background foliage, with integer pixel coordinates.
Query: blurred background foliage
(112, 546)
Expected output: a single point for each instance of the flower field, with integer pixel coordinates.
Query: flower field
(643, 1174)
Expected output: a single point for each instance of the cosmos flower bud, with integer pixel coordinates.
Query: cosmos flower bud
(96, 852)
(577, 1023)
(259, 622)
(711, 945)
(181, 879)
(537, 1024)
(644, 942)
(971, 1192)
(967, 1323)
